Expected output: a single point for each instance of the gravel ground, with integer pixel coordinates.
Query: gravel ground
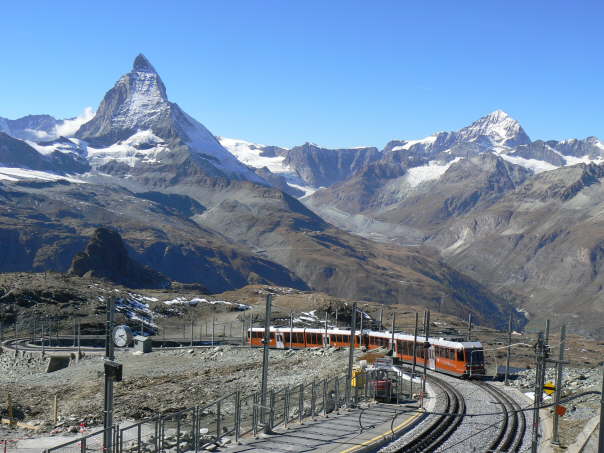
(162, 382)
(579, 411)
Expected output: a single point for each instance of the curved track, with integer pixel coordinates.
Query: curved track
(50, 345)
(513, 426)
(443, 426)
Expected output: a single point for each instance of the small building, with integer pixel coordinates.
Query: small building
(143, 344)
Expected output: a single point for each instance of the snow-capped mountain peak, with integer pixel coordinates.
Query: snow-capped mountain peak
(141, 64)
(495, 129)
(139, 102)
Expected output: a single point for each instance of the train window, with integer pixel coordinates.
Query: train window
(477, 356)
(286, 337)
(272, 335)
(460, 355)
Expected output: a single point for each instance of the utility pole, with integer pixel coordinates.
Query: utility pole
(326, 341)
(393, 327)
(414, 351)
(291, 327)
(507, 360)
(79, 341)
(267, 337)
(426, 346)
(601, 442)
(351, 355)
(213, 326)
(382, 318)
(469, 327)
(555, 436)
(192, 327)
(539, 378)
(361, 329)
(109, 357)
(75, 332)
(43, 351)
(336, 316)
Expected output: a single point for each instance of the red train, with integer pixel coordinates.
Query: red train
(457, 358)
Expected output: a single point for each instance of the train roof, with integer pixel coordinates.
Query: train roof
(449, 343)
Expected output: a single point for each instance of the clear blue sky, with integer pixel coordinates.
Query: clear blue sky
(339, 73)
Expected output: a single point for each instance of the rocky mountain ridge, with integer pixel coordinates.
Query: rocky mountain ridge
(189, 209)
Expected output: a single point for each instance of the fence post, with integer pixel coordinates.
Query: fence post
(255, 415)
(313, 397)
(218, 421)
(195, 424)
(83, 445)
(237, 415)
(286, 407)
(178, 433)
(337, 389)
(272, 410)
(138, 437)
(301, 404)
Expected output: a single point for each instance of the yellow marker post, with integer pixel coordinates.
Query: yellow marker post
(549, 388)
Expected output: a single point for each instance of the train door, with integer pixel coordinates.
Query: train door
(431, 358)
(279, 340)
(325, 341)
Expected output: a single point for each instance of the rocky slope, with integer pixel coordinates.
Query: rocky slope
(106, 257)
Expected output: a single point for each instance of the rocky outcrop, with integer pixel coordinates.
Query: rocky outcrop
(106, 258)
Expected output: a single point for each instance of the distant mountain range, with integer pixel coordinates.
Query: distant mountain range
(480, 218)
(190, 206)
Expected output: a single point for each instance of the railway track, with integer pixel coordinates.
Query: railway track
(439, 430)
(513, 426)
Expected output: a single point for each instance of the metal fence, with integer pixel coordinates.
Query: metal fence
(233, 416)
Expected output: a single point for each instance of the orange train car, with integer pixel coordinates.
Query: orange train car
(457, 358)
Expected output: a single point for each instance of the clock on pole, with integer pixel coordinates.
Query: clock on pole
(122, 336)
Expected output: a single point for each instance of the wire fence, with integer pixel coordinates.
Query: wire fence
(234, 416)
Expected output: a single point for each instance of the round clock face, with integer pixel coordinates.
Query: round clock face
(122, 336)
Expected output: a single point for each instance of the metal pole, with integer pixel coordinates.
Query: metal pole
(601, 442)
(192, 327)
(79, 340)
(267, 337)
(556, 436)
(538, 392)
(469, 327)
(243, 331)
(507, 360)
(43, 350)
(393, 327)
(382, 318)
(426, 344)
(108, 403)
(325, 341)
(336, 316)
(361, 329)
(291, 328)
(213, 326)
(75, 332)
(351, 355)
(546, 341)
(414, 351)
